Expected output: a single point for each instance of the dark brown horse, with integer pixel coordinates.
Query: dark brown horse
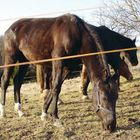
(35, 39)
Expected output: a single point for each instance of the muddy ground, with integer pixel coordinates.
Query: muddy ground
(80, 121)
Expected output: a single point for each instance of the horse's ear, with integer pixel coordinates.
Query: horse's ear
(134, 40)
(123, 58)
(115, 77)
(106, 75)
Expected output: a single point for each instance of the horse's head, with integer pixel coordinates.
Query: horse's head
(124, 70)
(104, 101)
(132, 54)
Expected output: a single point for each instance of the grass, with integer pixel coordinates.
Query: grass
(80, 121)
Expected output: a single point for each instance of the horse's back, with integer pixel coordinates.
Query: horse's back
(40, 36)
(35, 27)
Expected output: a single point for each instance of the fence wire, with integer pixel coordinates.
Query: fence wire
(69, 57)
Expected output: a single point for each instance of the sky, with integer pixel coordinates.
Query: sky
(12, 10)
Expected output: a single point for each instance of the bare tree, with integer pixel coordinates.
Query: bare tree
(122, 16)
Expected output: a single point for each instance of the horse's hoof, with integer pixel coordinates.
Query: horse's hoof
(20, 113)
(58, 123)
(42, 95)
(60, 102)
(85, 97)
(2, 111)
(43, 116)
(46, 91)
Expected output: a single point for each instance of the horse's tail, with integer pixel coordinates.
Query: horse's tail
(40, 77)
(1, 71)
(1, 55)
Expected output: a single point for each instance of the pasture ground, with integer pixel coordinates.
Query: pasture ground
(80, 121)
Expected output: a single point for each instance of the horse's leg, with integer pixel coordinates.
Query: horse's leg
(4, 85)
(118, 80)
(40, 77)
(18, 80)
(44, 78)
(58, 77)
(48, 82)
(64, 75)
(84, 83)
(52, 97)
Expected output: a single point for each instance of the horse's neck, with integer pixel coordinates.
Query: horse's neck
(102, 73)
(99, 47)
(98, 71)
(98, 63)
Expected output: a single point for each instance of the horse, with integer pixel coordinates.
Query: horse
(34, 39)
(112, 40)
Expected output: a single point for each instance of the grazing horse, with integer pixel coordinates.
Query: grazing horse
(112, 41)
(44, 38)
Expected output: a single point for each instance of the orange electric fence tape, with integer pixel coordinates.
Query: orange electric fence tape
(68, 57)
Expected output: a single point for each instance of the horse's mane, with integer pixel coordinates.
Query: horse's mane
(99, 45)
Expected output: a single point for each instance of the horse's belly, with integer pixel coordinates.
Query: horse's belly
(34, 52)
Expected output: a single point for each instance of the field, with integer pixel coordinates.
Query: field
(80, 121)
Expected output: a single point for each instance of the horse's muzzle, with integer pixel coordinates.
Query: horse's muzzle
(130, 78)
(109, 123)
(134, 63)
